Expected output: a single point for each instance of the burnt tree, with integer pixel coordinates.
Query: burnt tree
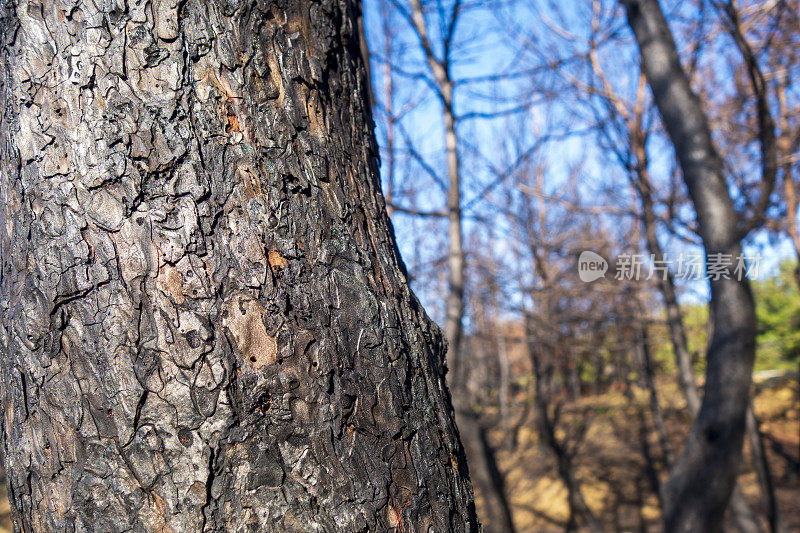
(703, 478)
(206, 324)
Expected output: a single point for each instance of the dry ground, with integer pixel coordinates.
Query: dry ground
(611, 465)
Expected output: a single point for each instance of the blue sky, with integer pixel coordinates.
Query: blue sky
(487, 44)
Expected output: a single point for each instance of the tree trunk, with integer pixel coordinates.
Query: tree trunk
(655, 406)
(703, 477)
(454, 303)
(651, 467)
(495, 509)
(480, 455)
(206, 324)
(547, 425)
(677, 332)
(743, 514)
(761, 464)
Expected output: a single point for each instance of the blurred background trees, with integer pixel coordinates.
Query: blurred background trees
(516, 135)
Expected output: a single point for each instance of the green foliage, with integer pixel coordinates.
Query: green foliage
(778, 322)
(695, 320)
(778, 317)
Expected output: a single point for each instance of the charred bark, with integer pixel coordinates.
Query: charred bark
(206, 324)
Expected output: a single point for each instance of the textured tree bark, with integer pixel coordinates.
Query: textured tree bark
(206, 324)
(702, 479)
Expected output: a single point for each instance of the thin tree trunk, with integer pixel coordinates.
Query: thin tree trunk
(505, 386)
(486, 475)
(455, 258)
(655, 405)
(388, 97)
(790, 190)
(743, 513)
(756, 441)
(677, 332)
(651, 467)
(206, 323)
(703, 478)
(454, 320)
(480, 457)
(579, 511)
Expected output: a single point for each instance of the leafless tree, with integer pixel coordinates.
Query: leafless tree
(713, 447)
